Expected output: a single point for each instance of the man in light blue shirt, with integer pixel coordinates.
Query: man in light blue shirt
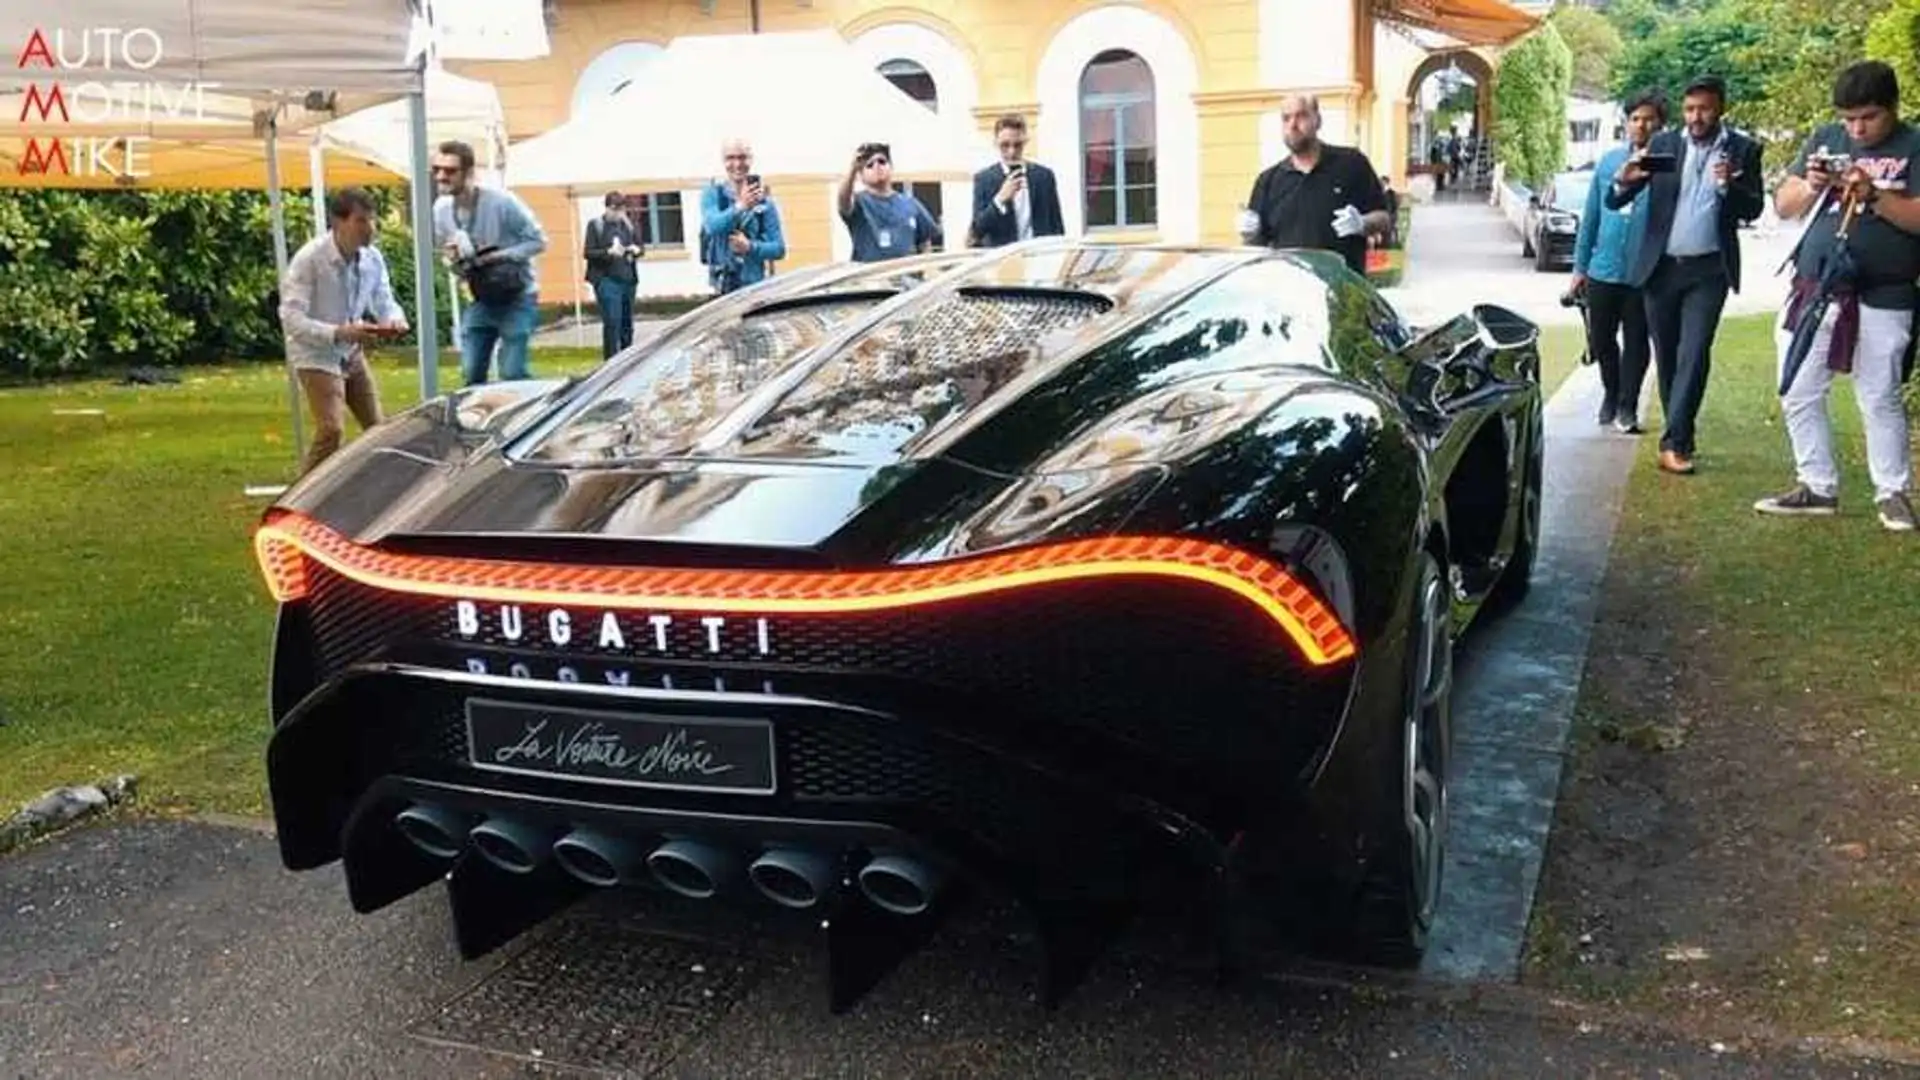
(491, 238)
(740, 233)
(1695, 187)
(1602, 275)
(336, 300)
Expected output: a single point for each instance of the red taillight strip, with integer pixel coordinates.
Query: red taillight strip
(283, 544)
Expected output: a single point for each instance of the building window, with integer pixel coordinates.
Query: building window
(917, 83)
(662, 224)
(659, 220)
(1117, 142)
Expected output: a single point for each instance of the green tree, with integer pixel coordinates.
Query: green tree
(1530, 106)
(1894, 36)
(1802, 44)
(1595, 44)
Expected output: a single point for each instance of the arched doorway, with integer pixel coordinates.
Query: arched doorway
(1450, 120)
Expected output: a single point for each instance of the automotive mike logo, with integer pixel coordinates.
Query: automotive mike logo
(95, 80)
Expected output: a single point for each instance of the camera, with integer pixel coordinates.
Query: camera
(1573, 298)
(1827, 161)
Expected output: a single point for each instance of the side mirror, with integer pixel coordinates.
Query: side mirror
(1501, 328)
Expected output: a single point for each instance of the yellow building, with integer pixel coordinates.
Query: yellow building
(1156, 115)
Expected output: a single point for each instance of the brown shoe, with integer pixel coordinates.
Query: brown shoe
(1675, 462)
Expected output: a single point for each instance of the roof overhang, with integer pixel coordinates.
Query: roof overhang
(1471, 22)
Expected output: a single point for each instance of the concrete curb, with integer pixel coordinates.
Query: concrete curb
(62, 807)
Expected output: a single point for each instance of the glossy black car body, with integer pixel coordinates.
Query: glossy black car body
(1064, 570)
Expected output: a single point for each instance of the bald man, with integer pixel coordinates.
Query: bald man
(1319, 195)
(740, 233)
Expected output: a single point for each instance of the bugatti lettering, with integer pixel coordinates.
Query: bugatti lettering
(664, 633)
(612, 676)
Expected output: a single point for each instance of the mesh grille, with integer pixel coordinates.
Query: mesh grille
(675, 393)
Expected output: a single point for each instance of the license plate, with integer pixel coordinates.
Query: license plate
(686, 753)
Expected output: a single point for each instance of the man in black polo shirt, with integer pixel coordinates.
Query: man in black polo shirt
(1319, 196)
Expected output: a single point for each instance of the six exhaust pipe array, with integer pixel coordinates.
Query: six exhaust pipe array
(791, 877)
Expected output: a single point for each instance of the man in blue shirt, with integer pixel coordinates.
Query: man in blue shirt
(1602, 261)
(740, 233)
(1686, 252)
(491, 238)
(884, 223)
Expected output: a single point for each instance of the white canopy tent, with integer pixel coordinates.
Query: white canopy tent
(202, 90)
(660, 132)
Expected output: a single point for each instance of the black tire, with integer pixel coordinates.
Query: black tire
(1517, 579)
(1394, 910)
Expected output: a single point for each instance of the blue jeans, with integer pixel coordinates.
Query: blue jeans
(615, 299)
(510, 325)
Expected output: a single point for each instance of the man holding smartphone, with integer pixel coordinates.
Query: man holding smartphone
(333, 283)
(883, 221)
(1702, 183)
(612, 247)
(1869, 160)
(740, 232)
(1616, 312)
(1013, 198)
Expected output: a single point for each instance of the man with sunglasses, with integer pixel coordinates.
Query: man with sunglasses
(884, 223)
(491, 238)
(1014, 199)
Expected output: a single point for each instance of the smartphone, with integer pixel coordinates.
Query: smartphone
(1658, 163)
(1019, 168)
(753, 179)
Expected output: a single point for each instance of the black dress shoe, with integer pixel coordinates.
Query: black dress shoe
(1606, 414)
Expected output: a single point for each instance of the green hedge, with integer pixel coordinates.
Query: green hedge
(97, 280)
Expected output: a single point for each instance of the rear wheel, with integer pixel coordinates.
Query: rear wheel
(1517, 579)
(1394, 915)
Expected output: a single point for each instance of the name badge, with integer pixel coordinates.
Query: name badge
(886, 238)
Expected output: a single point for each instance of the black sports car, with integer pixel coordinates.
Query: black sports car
(1071, 572)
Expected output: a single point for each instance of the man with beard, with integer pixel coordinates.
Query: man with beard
(1319, 196)
(1687, 247)
(491, 238)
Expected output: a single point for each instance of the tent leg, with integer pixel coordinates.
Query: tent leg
(279, 211)
(573, 233)
(317, 171)
(426, 323)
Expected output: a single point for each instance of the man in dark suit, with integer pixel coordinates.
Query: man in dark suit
(1014, 199)
(1687, 247)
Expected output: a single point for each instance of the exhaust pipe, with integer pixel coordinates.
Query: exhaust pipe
(901, 885)
(513, 846)
(792, 878)
(691, 868)
(597, 858)
(436, 830)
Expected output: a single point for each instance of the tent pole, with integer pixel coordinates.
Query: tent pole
(278, 209)
(573, 231)
(426, 324)
(317, 170)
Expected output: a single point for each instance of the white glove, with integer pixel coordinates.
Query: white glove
(1249, 226)
(1347, 221)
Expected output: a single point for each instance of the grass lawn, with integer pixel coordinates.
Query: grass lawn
(1738, 837)
(133, 624)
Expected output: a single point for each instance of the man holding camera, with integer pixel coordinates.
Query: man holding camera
(490, 238)
(1616, 312)
(884, 223)
(1319, 196)
(1702, 183)
(1014, 199)
(1860, 168)
(740, 232)
(611, 248)
(333, 283)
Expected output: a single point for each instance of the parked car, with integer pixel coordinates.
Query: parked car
(1552, 221)
(1069, 570)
